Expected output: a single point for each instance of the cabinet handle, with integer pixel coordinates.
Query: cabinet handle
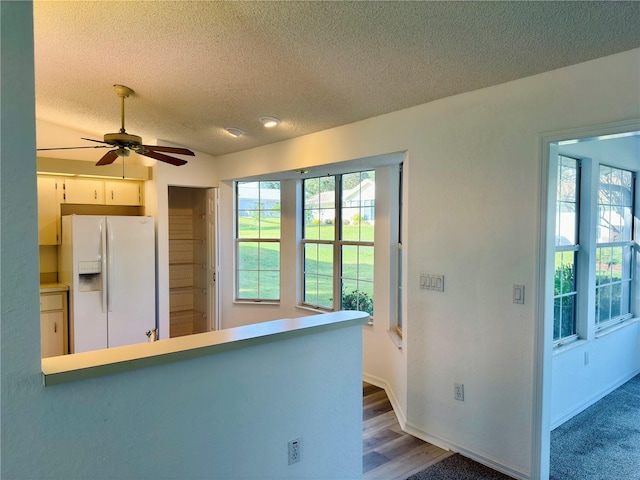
(95, 194)
(111, 194)
(55, 327)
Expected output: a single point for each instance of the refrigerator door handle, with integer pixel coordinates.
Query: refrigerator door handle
(103, 253)
(110, 253)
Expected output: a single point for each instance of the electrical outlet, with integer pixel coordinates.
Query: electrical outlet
(295, 451)
(458, 391)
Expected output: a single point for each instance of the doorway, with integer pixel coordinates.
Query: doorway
(192, 260)
(586, 337)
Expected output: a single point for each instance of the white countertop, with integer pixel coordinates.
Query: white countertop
(53, 287)
(67, 368)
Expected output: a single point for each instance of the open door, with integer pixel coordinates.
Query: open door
(212, 259)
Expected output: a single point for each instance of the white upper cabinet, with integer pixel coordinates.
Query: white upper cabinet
(49, 210)
(122, 193)
(85, 191)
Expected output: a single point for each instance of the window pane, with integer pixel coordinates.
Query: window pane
(350, 262)
(310, 258)
(247, 224)
(564, 321)
(357, 296)
(358, 206)
(318, 275)
(248, 255)
(615, 203)
(616, 300)
(270, 256)
(557, 318)
(318, 291)
(603, 304)
(270, 224)
(269, 285)
(567, 202)
(247, 284)
(325, 260)
(568, 316)
(565, 273)
(325, 291)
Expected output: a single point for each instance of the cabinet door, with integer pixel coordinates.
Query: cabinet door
(85, 191)
(48, 211)
(51, 333)
(122, 193)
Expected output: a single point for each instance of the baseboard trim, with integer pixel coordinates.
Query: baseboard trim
(590, 401)
(479, 457)
(379, 382)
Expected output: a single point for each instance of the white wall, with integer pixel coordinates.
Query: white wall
(221, 416)
(473, 181)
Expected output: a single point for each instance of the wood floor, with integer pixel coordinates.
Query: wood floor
(388, 452)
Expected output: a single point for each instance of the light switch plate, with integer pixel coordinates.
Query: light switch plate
(432, 281)
(518, 294)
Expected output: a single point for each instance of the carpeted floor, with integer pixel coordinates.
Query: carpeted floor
(603, 441)
(457, 467)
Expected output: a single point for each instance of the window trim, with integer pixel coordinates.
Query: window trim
(337, 242)
(237, 241)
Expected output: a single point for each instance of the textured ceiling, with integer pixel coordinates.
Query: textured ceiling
(197, 67)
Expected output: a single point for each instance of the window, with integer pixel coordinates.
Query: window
(258, 241)
(614, 245)
(398, 319)
(566, 249)
(338, 251)
(594, 247)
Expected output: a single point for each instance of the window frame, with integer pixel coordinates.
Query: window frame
(586, 326)
(574, 247)
(238, 240)
(337, 243)
(630, 243)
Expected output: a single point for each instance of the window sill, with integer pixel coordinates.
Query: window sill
(569, 346)
(395, 337)
(256, 302)
(80, 366)
(614, 328)
(311, 309)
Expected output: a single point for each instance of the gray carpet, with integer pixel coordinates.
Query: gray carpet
(457, 467)
(603, 441)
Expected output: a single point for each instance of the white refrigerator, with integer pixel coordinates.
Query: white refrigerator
(109, 264)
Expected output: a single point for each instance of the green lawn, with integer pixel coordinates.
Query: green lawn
(259, 263)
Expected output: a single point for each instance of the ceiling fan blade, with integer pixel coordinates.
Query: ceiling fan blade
(72, 148)
(163, 158)
(92, 140)
(108, 158)
(179, 151)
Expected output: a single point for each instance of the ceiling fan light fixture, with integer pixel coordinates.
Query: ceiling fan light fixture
(268, 121)
(234, 132)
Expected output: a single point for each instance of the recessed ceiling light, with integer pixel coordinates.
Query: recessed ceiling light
(234, 132)
(269, 122)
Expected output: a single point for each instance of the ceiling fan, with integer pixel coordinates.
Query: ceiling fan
(125, 143)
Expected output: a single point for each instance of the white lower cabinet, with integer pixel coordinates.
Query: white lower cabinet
(53, 324)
